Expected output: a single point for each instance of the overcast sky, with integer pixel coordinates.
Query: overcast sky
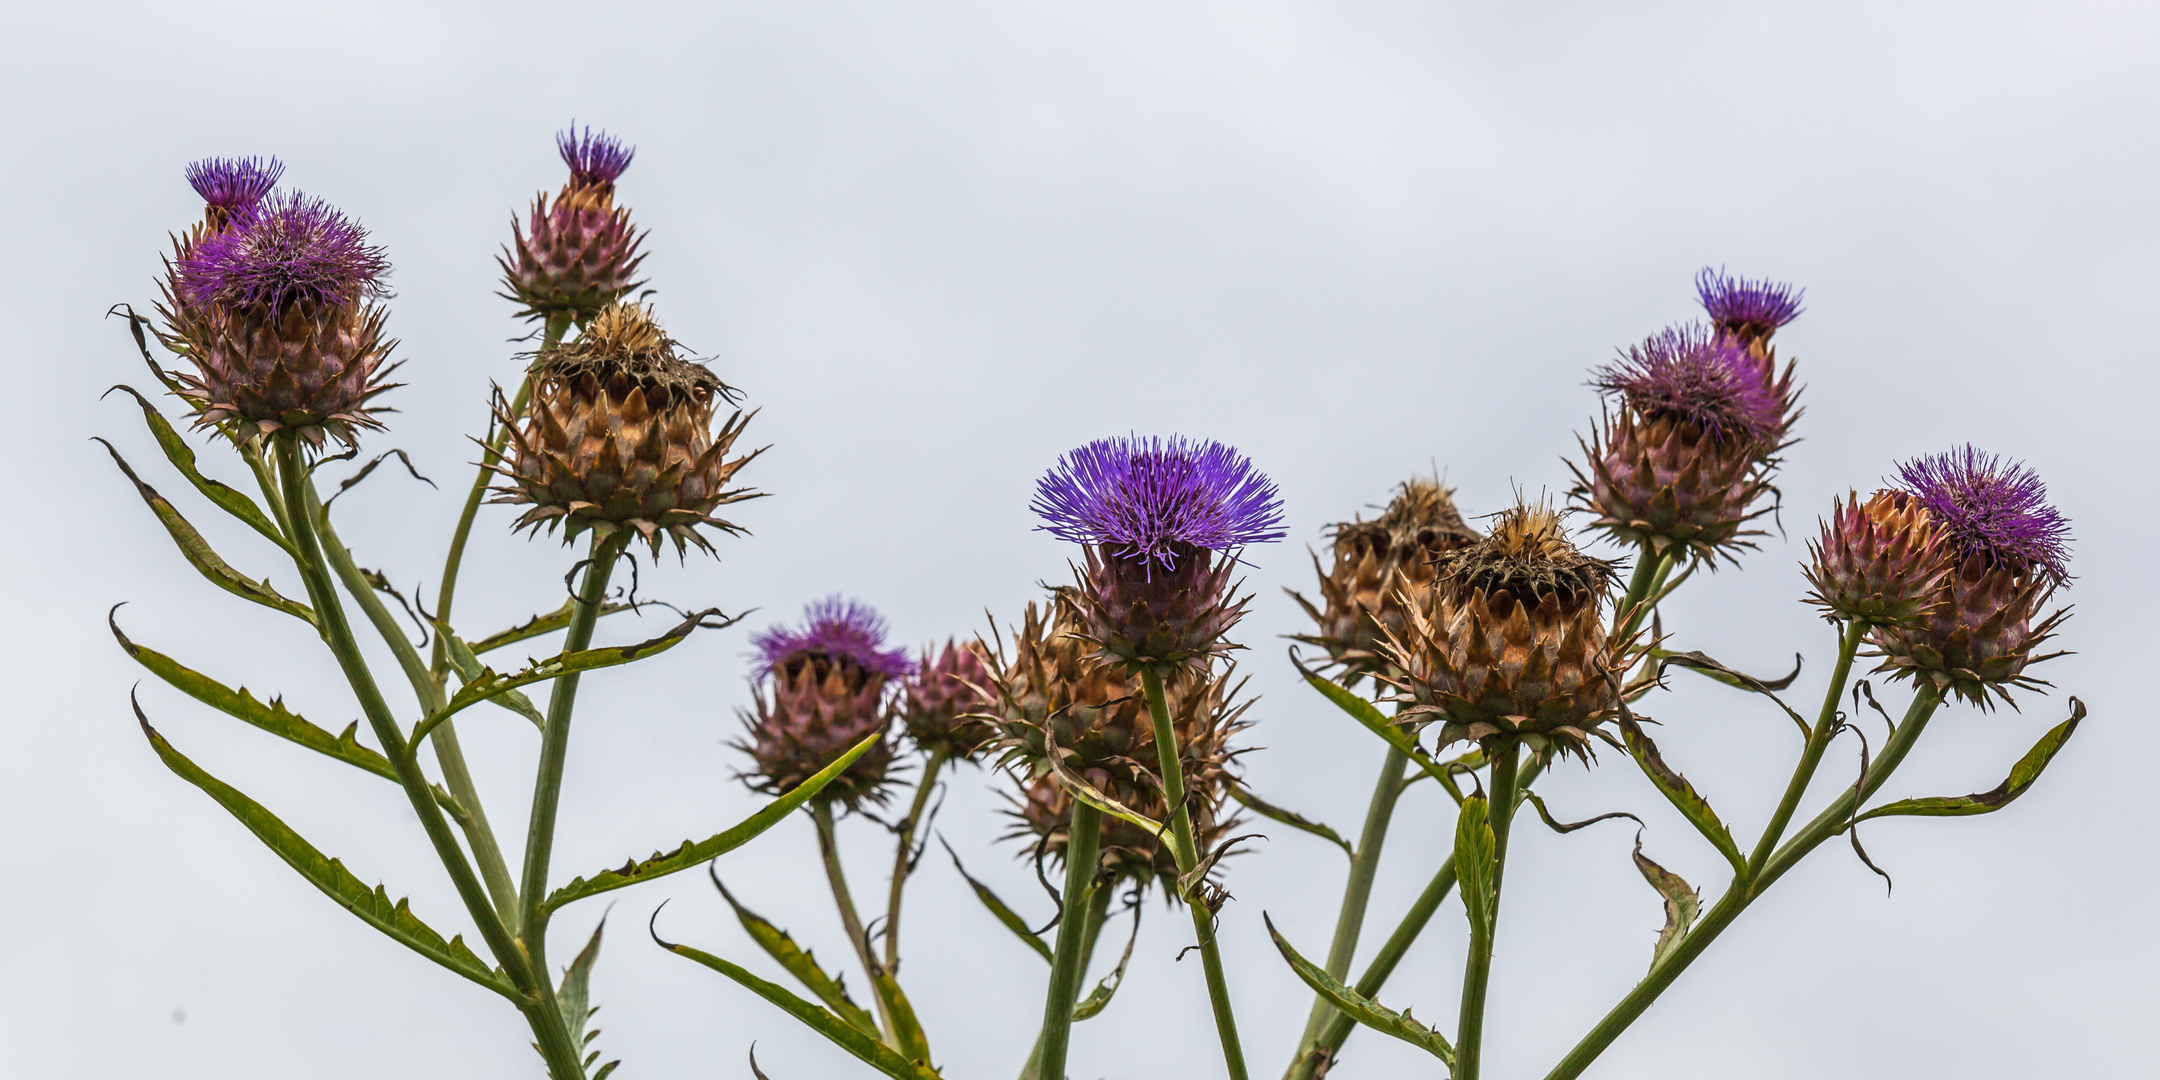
(938, 244)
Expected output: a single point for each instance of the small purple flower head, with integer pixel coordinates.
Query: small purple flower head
(290, 247)
(1752, 309)
(595, 158)
(1992, 507)
(839, 628)
(1147, 498)
(234, 185)
(1685, 373)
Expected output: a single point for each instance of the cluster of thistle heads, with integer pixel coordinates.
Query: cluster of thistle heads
(1487, 636)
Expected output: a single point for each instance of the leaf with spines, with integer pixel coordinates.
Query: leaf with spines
(1681, 794)
(200, 555)
(1709, 668)
(1297, 821)
(999, 909)
(1474, 844)
(372, 906)
(490, 683)
(1371, 718)
(913, 1043)
(703, 851)
(1360, 1008)
(1682, 904)
(469, 668)
(574, 997)
(557, 619)
(800, 963)
(182, 457)
(2022, 777)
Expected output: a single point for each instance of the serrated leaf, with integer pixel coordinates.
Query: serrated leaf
(490, 683)
(1681, 794)
(1004, 914)
(692, 854)
(866, 1048)
(540, 624)
(1365, 713)
(1704, 665)
(799, 962)
(1297, 821)
(1098, 999)
(469, 668)
(1682, 904)
(913, 1043)
(1474, 845)
(574, 997)
(1360, 1008)
(373, 906)
(2022, 777)
(199, 553)
(182, 457)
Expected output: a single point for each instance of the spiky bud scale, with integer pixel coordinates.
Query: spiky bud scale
(944, 702)
(1882, 561)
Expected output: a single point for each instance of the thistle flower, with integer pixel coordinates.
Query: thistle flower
(1511, 643)
(1159, 519)
(1882, 561)
(1053, 689)
(1686, 450)
(1747, 310)
(1378, 567)
(277, 312)
(2009, 551)
(821, 688)
(232, 186)
(579, 254)
(619, 433)
(943, 702)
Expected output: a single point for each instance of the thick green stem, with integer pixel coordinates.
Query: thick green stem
(1357, 891)
(850, 920)
(1818, 740)
(1069, 962)
(1477, 968)
(906, 855)
(555, 746)
(1168, 754)
(1827, 824)
(538, 1003)
(1643, 591)
(1098, 913)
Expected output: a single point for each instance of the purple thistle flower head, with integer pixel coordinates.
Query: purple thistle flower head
(1146, 498)
(234, 184)
(289, 247)
(1993, 507)
(595, 158)
(1753, 308)
(1686, 373)
(839, 628)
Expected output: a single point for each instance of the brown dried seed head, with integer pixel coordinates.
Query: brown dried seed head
(1374, 563)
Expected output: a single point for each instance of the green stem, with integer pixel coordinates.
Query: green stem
(905, 855)
(550, 336)
(1477, 968)
(1650, 574)
(850, 921)
(555, 746)
(1068, 964)
(1168, 754)
(471, 817)
(1818, 740)
(1098, 913)
(1827, 824)
(538, 1002)
(1357, 891)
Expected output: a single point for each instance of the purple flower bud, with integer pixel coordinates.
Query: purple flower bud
(1992, 507)
(1684, 373)
(838, 629)
(595, 159)
(1751, 310)
(287, 248)
(1147, 498)
(233, 185)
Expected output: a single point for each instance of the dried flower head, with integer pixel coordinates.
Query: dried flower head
(2010, 551)
(619, 432)
(1157, 517)
(1750, 310)
(1376, 565)
(231, 186)
(821, 688)
(943, 703)
(578, 254)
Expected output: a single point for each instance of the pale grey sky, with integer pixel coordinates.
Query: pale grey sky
(939, 244)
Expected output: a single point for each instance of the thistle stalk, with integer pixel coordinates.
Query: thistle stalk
(1357, 892)
(1477, 968)
(1182, 848)
(903, 859)
(850, 920)
(1826, 723)
(1069, 962)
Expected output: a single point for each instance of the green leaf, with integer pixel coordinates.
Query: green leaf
(575, 995)
(1682, 904)
(1474, 845)
(469, 669)
(800, 963)
(998, 908)
(1363, 1009)
(200, 555)
(1704, 665)
(489, 683)
(1365, 713)
(272, 717)
(540, 624)
(1078, 787)
(1296, 821)
(913, 1042)
(865, 1047)
(182, 457)
(689, 854)
(1681, 794)
(2022, 776)
(373, 906)
(1098, 999)
(136, 325)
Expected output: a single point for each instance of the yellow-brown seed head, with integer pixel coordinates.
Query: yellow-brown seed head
(1375, 564)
